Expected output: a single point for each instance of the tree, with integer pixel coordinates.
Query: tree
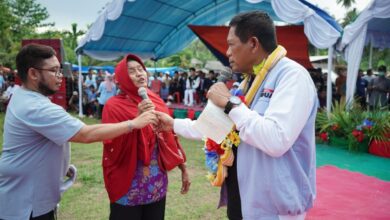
(28, 15)
(74, 34)
(350, 17)
(346, 3)
(6, 41)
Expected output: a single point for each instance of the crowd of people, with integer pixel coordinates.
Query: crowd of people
(188, 88)
(7, 86)
(372, 90)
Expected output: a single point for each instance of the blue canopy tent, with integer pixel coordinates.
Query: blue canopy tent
(158, 28)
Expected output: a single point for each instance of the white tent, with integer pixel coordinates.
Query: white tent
(372, 26)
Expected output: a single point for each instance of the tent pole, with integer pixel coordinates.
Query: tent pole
(329, 81)
(370, 57)
(80, 88)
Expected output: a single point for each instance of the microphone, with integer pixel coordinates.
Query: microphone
(225, 75)
(143, 93)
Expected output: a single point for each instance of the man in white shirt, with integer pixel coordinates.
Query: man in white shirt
(192, 84)
(273, 172)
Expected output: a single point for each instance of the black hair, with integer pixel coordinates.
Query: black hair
(382, 68)
(192, 69)
(255, 24)
(30, 56)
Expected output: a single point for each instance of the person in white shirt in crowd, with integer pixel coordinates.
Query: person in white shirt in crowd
(90, 79)
(106, 90)
(192, 83)
(11, 88)
(274, 169)
(160, 76)
(369, 76)
(167, 79)
(35, 155)
(379, 89)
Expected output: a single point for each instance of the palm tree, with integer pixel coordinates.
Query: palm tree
(346, 3)
(350, 17)
(74, 34)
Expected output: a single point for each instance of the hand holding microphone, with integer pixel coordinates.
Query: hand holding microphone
(146, 104)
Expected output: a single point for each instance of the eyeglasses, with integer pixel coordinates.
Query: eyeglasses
(57, 73)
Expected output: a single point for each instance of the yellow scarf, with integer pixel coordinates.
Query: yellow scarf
(232, 138)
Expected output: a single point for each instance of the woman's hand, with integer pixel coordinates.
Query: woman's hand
(185, 179)
(145, 105)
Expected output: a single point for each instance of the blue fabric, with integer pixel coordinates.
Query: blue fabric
(159, 29)
(2, 81)
(111, 69)
(31, 164)
(285, 185)
(361, 85)
(104, 94)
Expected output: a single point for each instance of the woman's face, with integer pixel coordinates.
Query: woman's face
(137, 74)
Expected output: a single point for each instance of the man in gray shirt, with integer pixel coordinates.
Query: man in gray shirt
(379, 88)
(36, 135)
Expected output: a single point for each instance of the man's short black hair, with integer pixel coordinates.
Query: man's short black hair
(192, 69)
(382, 68)
(32, 55)
(255, 24)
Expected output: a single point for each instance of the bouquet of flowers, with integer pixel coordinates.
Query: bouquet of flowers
(219, 157)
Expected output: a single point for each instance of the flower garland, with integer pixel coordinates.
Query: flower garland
(220, 156)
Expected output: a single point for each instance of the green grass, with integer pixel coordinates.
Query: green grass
(87, 199)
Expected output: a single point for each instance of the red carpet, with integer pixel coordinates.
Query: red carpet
(342, 194)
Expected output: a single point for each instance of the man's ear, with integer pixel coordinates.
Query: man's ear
(254, 43)
(32, 74)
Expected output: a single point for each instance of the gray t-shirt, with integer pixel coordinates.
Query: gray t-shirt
(36, 134)
(379, 98)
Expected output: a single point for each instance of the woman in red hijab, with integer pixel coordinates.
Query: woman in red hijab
(135, 165)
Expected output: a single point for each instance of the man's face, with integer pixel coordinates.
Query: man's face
(137, 74)
(50, 76)
(238, 53)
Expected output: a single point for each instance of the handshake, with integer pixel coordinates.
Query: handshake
(147, 115)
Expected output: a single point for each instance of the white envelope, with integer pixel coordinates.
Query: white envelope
(213, 123)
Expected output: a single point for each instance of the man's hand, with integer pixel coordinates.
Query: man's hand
(185, 180)
(165, 122)
(145, 105)
(219, 94)
(144, 119)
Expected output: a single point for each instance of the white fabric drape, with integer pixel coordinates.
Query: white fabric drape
(354, 39)
(112, 11)
(319, 32)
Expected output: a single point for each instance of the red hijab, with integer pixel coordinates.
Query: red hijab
(120, 155)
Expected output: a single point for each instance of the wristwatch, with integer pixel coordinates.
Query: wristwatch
(233, 101)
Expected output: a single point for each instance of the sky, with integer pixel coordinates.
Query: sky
(85, 12)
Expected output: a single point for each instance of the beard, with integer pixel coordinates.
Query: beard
(44, 89)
